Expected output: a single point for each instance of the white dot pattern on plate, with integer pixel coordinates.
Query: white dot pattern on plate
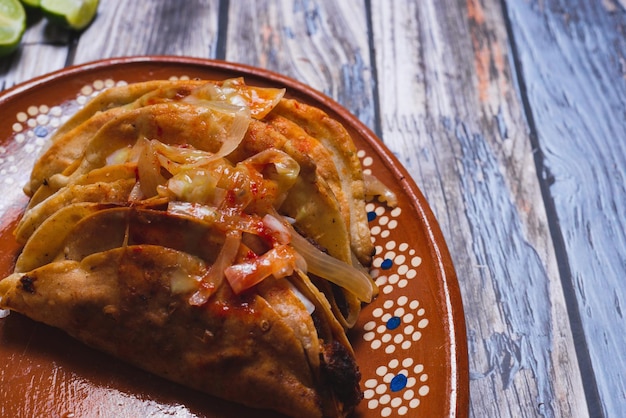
(392, 328)
(398, 324)
(395, 264)
(397, 387)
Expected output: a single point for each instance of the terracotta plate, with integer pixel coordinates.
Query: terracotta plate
(410, 342)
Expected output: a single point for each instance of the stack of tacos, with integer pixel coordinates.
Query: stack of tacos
(210, 232)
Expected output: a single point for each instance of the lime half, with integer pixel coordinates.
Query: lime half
(31, 3)
(75, 14)
(12, 25)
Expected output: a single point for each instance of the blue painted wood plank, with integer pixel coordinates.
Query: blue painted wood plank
(450, 107)
(572, 65)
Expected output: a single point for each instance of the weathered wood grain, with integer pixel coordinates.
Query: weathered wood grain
(572, 59)
(450, 108)
(323, 44)
(126, 28)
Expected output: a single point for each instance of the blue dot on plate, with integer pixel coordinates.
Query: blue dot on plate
(393, 323)
(386, 264)
(40, 131)
(371, 216)
(398, 382)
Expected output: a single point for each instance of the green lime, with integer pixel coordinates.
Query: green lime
(75, 14)
(12, 25)
(31, 3)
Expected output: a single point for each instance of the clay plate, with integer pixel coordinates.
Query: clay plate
(410, 342)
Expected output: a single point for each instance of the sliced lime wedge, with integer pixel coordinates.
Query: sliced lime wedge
(32, 3)
(75, 14)
(12, 25)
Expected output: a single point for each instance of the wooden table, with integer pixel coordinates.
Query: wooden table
(511, 117)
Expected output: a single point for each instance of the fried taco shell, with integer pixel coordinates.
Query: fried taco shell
(209, 232)
(259, 349)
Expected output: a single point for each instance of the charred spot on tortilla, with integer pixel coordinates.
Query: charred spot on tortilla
(27, 283)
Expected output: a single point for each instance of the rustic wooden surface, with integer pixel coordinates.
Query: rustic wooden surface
(511, 117)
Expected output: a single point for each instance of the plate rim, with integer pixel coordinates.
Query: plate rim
(450, 293)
